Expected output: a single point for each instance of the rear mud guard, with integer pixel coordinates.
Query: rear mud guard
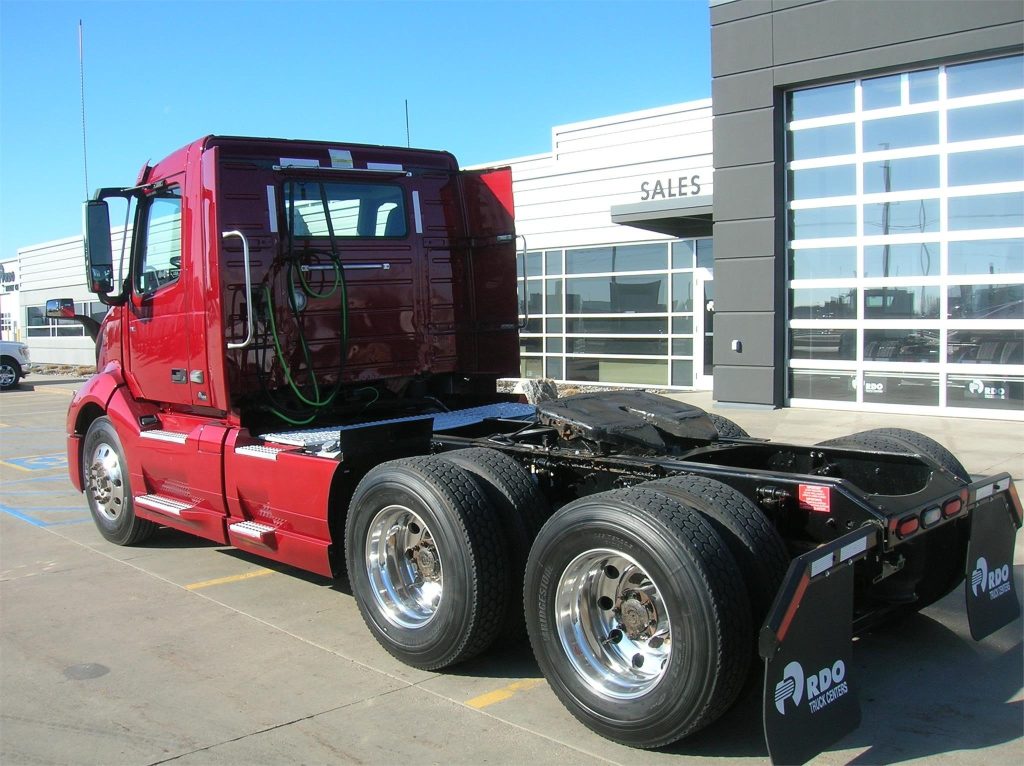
(810, 701)
(991, 595)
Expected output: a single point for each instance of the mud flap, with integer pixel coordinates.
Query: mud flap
(991, 594)
(810, 701)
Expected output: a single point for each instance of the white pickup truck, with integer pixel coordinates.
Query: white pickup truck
(14, 363)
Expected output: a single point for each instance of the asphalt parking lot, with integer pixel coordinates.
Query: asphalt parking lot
(190, 652)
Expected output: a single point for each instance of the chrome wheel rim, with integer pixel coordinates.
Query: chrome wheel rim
(104, 481)
(6, 375)
(404, 567)
(613, 624)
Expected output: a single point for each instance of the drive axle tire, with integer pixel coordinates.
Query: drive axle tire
(107, 489)
(754, 543)
(727, 429)
(426, 560)
(638, 616)
(520, 509)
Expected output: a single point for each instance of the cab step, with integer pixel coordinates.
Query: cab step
(260, 451)
(159, 434)
(166, 505)
(254, 531)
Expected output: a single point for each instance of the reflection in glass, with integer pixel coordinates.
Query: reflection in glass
(682, 347)
(531, 367)
(829, 141)
(644, 257)
(534, 264)
(821, 102)
(1004, 393)
(988, 121)
(920, 389)
(985, 347)
(682, 291)
(553, 261)
(823, 303)
(682, 372)
(616, 326)
(901, 175)
(822, 384)
(986, 211)
(985, 76)
(683, 253)
(682, 325)
(986, 167)
(554, 366)
(705, 253)
(987, 256)
(901, 302)
(986, 302)
(651, 372)
(610, 346)
(813, 183)
(924, 86)
(900, 132)
(920, 259)
(822, 343)
(554, 296)
(909, 216)
(604, 295)
(880, 92)
(553, 325)
(530, 345)
(553, 345)
(823, 262)
(822, 222)
(901, 345)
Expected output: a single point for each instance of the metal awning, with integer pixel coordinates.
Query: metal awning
(677, 217)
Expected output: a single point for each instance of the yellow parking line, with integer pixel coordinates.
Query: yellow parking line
(16, 467)
(502, 694)
(232, 578)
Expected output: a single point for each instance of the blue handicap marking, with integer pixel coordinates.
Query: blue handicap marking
(40, 462)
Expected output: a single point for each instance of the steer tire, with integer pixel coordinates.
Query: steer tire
(10, 373)
(941, 553)
(107, 487)
(727, 429)
(520, 509)
(426, 561)
(623, 562)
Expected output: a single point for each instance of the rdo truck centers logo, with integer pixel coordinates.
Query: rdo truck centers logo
(822, 688)
(995, 582)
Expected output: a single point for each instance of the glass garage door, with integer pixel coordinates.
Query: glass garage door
(905, 229)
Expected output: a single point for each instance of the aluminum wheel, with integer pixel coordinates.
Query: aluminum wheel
(105, 482)
(8, 375)
(404, 567)
(613, 624)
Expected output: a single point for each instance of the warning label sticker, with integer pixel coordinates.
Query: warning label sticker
(814, 497)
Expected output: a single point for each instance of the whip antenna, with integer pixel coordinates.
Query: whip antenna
(408, 141)
(81, 90)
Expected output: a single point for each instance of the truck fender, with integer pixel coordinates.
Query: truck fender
(810, 701)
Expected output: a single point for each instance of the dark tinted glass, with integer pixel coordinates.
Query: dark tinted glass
(553, 345)
(553, 288)
(617, 326)
(682, 325)
(906, 388)
(608, 346)
(1006, 393)
(985, 301)
(824, 384)
(554, 367)
(623, 258)
(901, 302)
(823, 343)
(901, 345)
(823, 303)
(985, 347)
(682, 347)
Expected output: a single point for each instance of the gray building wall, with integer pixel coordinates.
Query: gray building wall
(759, 50)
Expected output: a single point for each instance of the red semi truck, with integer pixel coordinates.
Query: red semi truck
(300, 359)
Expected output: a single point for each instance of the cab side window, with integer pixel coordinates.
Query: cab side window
(160, 261)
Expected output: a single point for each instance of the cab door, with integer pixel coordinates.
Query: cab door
(158, 342)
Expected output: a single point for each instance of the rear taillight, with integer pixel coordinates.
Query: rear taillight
(952, 507)
(907, 526)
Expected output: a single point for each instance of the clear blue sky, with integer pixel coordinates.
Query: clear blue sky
(484, 80)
